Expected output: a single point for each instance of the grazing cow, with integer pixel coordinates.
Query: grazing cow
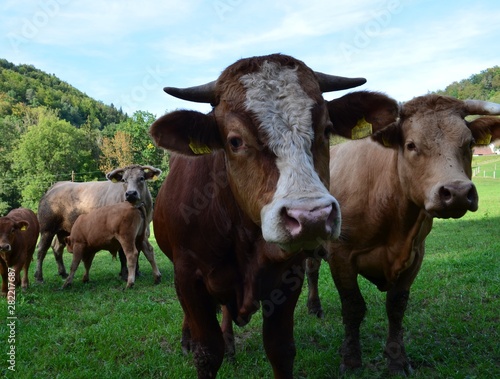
(246, 193)
(107, 228)
(18, 235)
(390, 188)
(65, 201)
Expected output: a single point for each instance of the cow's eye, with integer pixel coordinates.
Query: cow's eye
(141, 179)
(410, 146)
(235, 143)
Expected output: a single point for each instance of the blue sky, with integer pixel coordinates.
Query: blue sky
(124, 52)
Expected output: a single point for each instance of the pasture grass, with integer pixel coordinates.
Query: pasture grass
(99, 330)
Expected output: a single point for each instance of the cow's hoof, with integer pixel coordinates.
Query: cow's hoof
(157, 280)
(63, 275)
(403, 371)
(318, 312)
(314, 308)
(38, 277)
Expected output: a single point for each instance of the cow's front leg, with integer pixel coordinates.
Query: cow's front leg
(149, 253)
(43, 247)
(277, 310)
(396, 302)
(77, 257)
(58, 248)
(228, 332)
(206, 341)
(25, 280)
(313, 301)
(353, 313)
(4, 273)
(131, 265)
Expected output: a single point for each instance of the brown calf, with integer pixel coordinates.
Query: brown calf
(107, 228)
(18, 235)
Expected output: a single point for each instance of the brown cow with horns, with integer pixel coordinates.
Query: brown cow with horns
(390, 188)
(247, 192)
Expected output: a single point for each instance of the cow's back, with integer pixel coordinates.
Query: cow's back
(65, 201)
(102, 226)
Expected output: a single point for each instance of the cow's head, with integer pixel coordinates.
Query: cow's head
(8, 229)
(134, 180)
(435, 143)
(272, 123)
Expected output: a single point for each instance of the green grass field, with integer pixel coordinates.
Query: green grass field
(486, 166)
(98, 330)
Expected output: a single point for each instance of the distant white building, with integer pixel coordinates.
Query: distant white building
(485, 150)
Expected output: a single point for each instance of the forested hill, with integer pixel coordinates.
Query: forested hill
(50, 132)
(27, 85)
(482, 86)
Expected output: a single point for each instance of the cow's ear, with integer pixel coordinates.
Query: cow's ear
(151, 172)
(116, 175)
(390, 136)
(22, 225)
(186, 132)
(362, 113)
(485, 130)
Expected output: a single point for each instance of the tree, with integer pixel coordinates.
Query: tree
(130, 143)
(116, 151)
(9, 196)
(49, 152)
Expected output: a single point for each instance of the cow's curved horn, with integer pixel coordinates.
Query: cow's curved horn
(329, 83)
(204, 93)
(479, 107)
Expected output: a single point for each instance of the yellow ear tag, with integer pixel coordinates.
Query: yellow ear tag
(199, 149)
(484, 141)
(385, 142)
(24, 227)
(114, 180)
(155, 177)
(362, 129)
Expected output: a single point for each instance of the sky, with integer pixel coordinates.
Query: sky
(124, 52)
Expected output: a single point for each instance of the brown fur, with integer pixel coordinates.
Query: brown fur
(107, 228)
(18, 235)
(207, 220)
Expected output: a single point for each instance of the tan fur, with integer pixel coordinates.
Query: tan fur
(107, 228)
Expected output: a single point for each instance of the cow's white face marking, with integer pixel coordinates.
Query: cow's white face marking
(275, 96)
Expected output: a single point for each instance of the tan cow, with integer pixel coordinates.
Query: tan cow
(390, 188)
(107, 228)
(18, 235)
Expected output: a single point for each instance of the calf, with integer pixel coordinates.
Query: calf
(18, 235)
(107, 228)
(390, 188)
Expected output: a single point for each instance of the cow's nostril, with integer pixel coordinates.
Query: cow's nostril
(445, 194)
(292, 224)
(5, 248)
